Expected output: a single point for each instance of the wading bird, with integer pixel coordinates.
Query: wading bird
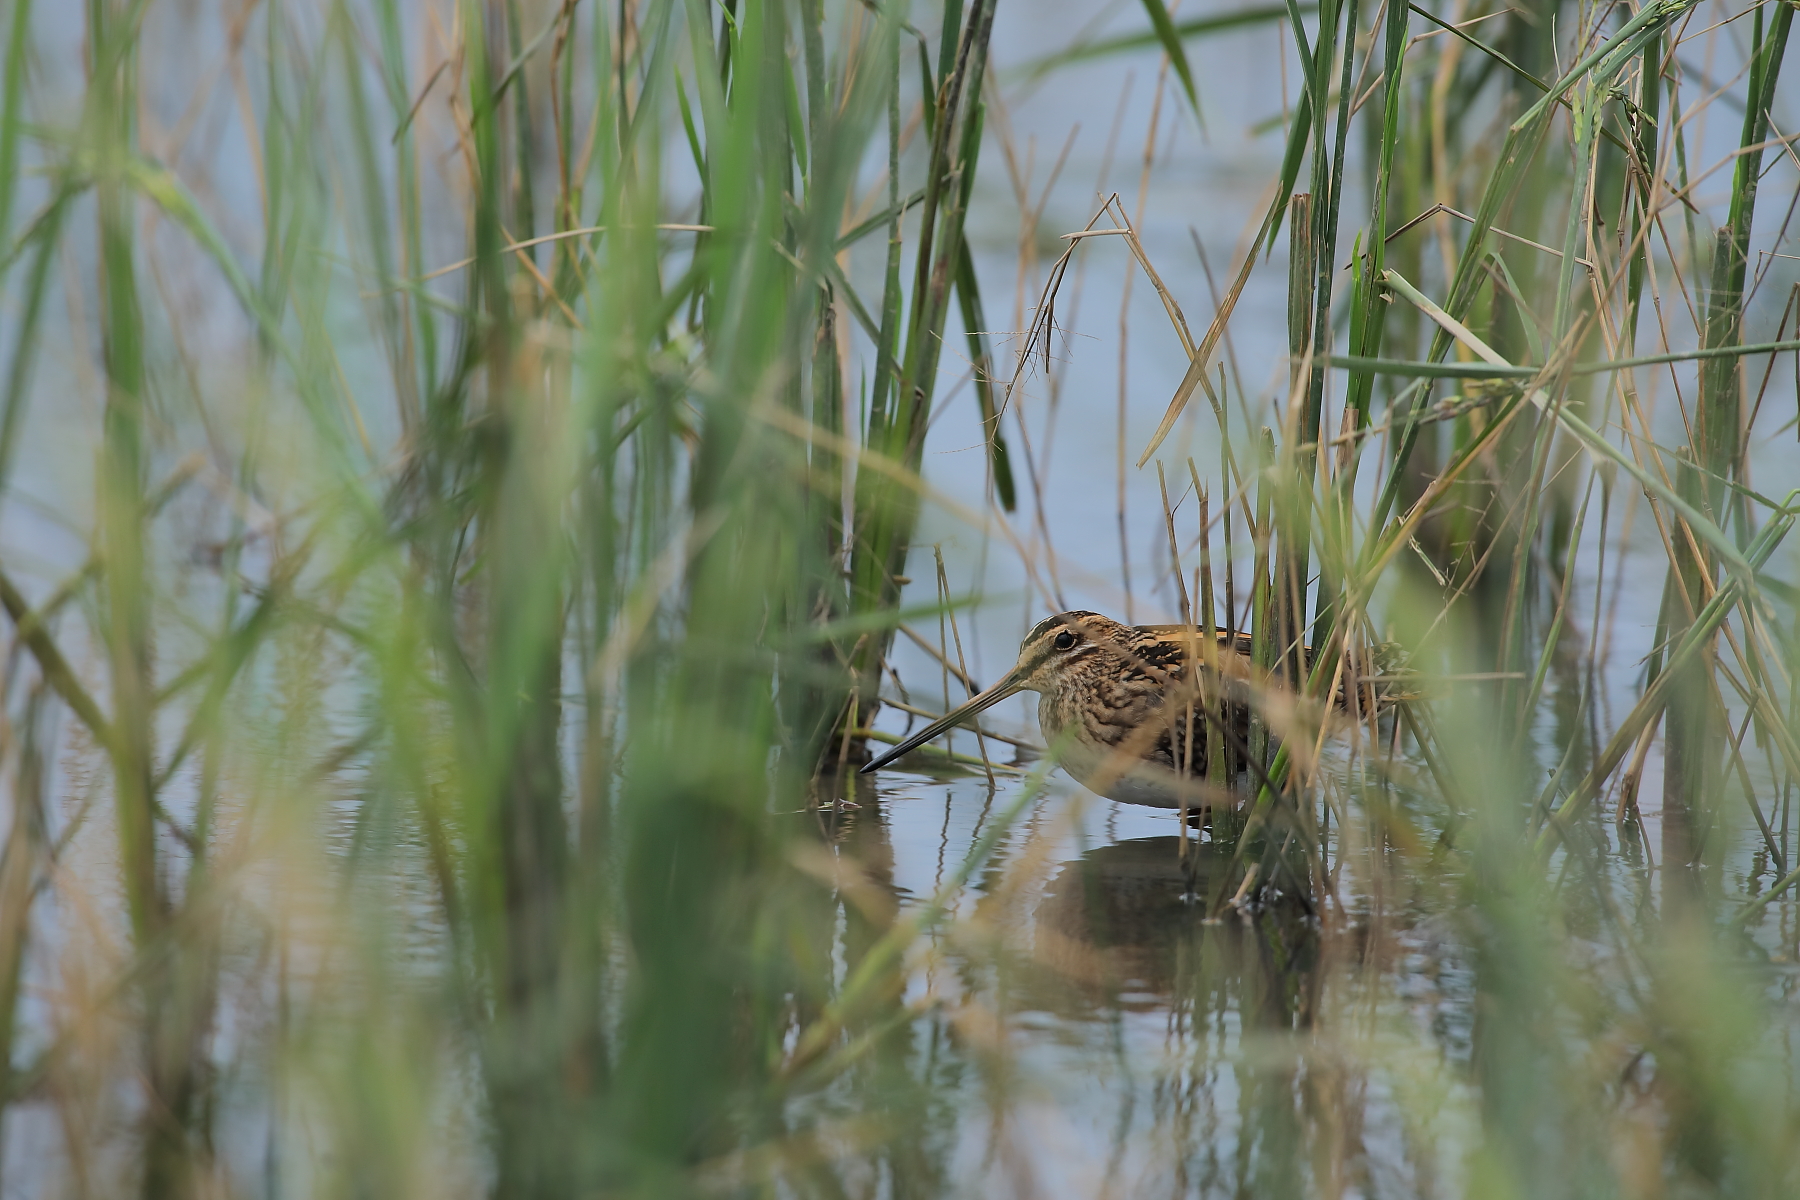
(1123, 707)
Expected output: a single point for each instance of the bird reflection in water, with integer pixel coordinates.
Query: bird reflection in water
(1112, 949)
(1126, 923)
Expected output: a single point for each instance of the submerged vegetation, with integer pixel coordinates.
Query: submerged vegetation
(461, 471)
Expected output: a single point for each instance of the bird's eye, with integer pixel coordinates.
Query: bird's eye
(1064, 641)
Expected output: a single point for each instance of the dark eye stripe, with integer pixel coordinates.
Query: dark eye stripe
(1059, 621)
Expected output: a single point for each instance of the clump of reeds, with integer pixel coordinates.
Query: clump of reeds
(414, 756)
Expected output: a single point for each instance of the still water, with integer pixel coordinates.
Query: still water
(1137, 1047)
(1090, 1031)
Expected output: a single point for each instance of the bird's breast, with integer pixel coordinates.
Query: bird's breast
(1090, 732)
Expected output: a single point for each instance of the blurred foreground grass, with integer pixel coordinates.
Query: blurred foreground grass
(427, 777)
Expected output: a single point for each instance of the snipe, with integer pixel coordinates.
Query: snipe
(1121, 705)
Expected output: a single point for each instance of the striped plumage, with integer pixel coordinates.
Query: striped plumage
(1120, 705)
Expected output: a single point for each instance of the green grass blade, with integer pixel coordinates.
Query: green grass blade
(1193, 27)
(1169, 38)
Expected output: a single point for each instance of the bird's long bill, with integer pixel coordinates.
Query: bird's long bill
(950, 720)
